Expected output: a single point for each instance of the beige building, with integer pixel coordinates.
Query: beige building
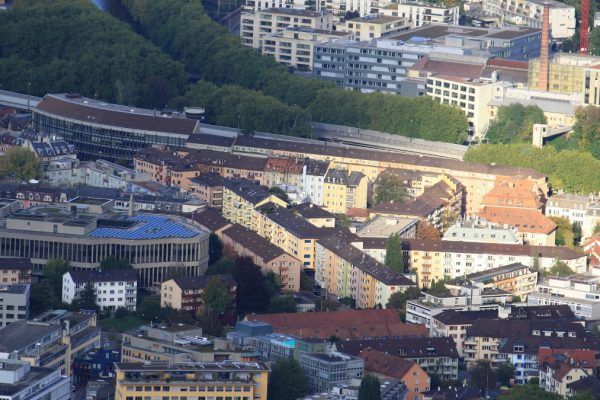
(187, 293)
(294, 46)
(343, 190)
(15, 270)
(254, 26)
(242, 197)
(422, 13)
(374, 26)
(568, 74)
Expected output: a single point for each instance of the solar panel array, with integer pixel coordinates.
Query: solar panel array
(149, 227)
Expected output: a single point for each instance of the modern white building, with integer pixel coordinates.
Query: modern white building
(114, 289)
(480, 230)
(373, 26)
(339, 8)
(580, 292)
(419, 13)
(584, 210)
(20, 381)
(256, 5)
(14, 303)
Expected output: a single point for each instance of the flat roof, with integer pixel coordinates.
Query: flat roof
(192, 366)
(375, 19)
(438, 31)
(21, 334)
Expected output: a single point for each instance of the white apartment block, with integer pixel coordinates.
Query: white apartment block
(477, 229)
(530, 13)
(584, 210)
(580, 292)
(421, 13)
(256, 5)
(113, 289)
(339, 8)
(254, 26)
(293, 47)
(312, 182)
(373, 26)
(20, 381)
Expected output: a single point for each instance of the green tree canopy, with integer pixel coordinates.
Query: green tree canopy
(87, 298)
(370, 388)
(482, 375)
(282, 304)
(394, 257)
(217, 298)
(523, 392)
(279, 192)
(19, 163)
(505, 372)
(560, 268)
(565, 236)
(514, 124)
(42, 298)
(215, 249)
(252, 291)
(389, 187)
(53, 274)
(398, 300)
(287, 380)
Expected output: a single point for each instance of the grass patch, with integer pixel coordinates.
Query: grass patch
(121, 324)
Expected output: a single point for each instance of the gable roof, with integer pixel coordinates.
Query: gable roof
(211, 219)
(387, 364)
(525, 220)
(310, 210)
(200, 282)
(15, 263)
(405, 347)
(119, 275)
(254, 242)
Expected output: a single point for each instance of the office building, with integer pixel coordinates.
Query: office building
(324, 371)
(86, 231)
(53, 339)
(20, 381)
(418, 13)
(187, 293)
(114, 289)
(15, 270)
(100, 130)
(248, 381)
(373, 26)
(14, 303)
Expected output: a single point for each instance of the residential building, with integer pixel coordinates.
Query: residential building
(211, 220)
(58, 159)
(435, 259)
(52, 340)
(339, 8)
(453, 324)
(344, 190)
(315, 215)
(570, 206)
(176, 343)
(530, 13)
(256, 25)
(386, 366)
(384, 227)
(533, 227)
(242, 197)
(345, 325)
(373, 26)
(14, 301)
(20, 381)
(475, 229)
(207, 379)
(516, 192)
(419, 13)
(208, 187)
(466, 298)
(558, 369)
(591, 247)
(324, 371)
(114, 289)
(269, 257)
(256, 5)
(86, 231)
(517, 279)
(587, 384)
(280, 170)
(102, 173)
(579, 292)
(313, 180)
(107, 131)
(345, 271)
(15, 270)
(187, 293)
(435, 355)
(294, 47)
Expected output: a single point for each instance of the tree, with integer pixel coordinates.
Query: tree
(482, 376)
(505, 372)
(223, 266)
(217, 297)
(282, 304)
(370, 388)
(596, 229)
(522, 392)
(394, 256)
(389, 188)
(252, 292)
(113, 263)
(577, 233)
(306, 282)
(87, 298)
(560, 268)
(53, 274)
(279, 192)
(565, 236)
(41, 298)
(287, 380)
(438, 287)
(20, 163)
(215, 249)
(398, 300)
(514, 123)
(149, 309)
(425, 230)
(343, 221)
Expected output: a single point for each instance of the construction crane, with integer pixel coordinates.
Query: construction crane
(584, 27)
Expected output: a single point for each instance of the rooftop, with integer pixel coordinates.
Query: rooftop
(35, 376)
(13, 289)
(310, 211)
(211, 219)
(376, 19)
(254, 242)
(21, 334)
(406, 347)
(439, 31)
(490, 273)
(200, 282)
(524, 219)
(191, 366)
(385, 226)
(147, 227)
(85, 276)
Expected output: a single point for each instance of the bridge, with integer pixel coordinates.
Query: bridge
(543, 131)
(19, 101)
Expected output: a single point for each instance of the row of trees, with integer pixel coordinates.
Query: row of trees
(514, 124)
(69, 45)
(185, 31)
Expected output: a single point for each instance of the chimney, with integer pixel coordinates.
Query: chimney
(544, 56)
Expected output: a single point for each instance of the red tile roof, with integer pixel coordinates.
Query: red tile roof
(562, 361)
(387, 364)
(500, 62)
(524, 219)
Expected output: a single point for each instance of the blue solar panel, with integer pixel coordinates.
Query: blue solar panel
(149, 227)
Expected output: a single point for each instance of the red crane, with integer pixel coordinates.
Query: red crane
(584, 27)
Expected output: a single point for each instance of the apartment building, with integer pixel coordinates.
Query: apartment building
(208, 187)
(435, 259)
(294, 47)
(419, 13)
(256, 5)
(187, 293)
(373, 26)
(324, 371)
(312, 181)
(570, 206)
(475, 229)
(560, 368)
(14, 303)
(532, 226)
(280, 170)
(15, 270)
(19, 380)
(52, 340)
(206, 379)
(384, 227)
(173, 344)
(315, 215)
(530, 13)
(256, 25)
(242, 197)
(343, 190)
(342, 8)
(435, 355)
(345, 271)
(113, 289)
(269, 257)
(579, 292)
(516, 192)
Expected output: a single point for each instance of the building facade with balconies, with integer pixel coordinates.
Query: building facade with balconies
(113, 289)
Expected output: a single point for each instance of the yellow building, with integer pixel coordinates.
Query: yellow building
(566, 72)
(343, 190)
(202, 380)
(374, 26)
(242, 197)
